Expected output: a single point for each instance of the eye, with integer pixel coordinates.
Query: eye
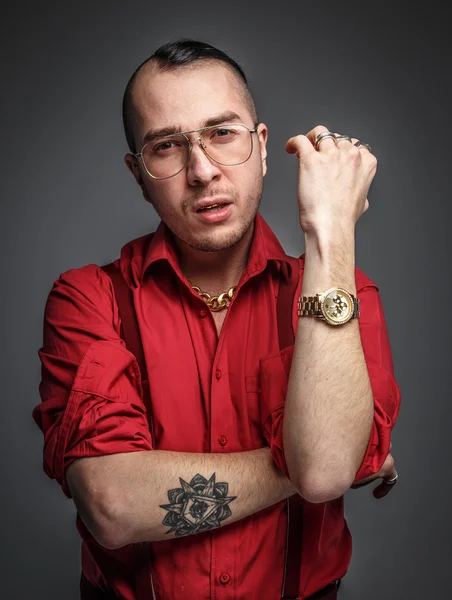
(224, 134)
(166, 146)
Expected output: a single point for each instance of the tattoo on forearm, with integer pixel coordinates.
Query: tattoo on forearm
(197, 506)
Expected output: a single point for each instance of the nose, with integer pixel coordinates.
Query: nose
(200, 168)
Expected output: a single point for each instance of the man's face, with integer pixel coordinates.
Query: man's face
(188, 98)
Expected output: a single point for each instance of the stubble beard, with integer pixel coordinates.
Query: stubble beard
(216, 242)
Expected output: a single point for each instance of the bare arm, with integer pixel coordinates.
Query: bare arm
(329, 404)
(329, 407)
(139, 496)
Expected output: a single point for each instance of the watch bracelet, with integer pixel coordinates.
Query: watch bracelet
(309, 306)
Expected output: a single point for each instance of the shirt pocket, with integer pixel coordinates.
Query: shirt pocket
(273, 376)
(252, 384)
(252, 416)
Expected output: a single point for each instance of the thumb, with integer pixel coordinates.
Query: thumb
(299, 145)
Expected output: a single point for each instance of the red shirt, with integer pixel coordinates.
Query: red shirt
(209, 394)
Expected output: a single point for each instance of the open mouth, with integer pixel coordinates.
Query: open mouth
(212, 208)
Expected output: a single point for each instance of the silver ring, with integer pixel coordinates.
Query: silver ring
(323, 136)
(391, 481)
(359, 143)
(343, 137)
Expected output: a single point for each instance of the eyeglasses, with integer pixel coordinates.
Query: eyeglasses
(166, 156)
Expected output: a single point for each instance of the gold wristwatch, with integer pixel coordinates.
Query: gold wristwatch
(336, 306)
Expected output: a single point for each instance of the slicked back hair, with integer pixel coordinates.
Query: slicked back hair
(171, 56)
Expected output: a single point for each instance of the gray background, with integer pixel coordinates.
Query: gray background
(371, 70)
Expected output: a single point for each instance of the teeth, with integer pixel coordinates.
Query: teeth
(210, 206)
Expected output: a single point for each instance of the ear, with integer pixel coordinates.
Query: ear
(133, 166)
(262, 133)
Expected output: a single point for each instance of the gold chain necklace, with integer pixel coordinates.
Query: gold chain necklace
(216, 303)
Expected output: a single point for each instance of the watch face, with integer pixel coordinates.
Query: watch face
(337, 306)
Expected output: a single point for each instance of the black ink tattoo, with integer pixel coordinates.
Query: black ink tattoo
(197, 506)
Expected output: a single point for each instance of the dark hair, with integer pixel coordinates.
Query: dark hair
(176, 54)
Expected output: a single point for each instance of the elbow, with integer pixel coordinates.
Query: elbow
(109, 537)
(112, 530)
(101, 504)
(105, 520)
(316, 489)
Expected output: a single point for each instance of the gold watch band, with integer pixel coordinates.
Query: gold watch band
(309, 306)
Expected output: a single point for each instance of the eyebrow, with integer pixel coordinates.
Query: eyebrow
(223, 118)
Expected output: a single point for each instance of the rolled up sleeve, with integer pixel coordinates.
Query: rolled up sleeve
(385, 390)
(91, 397)
(275, 369)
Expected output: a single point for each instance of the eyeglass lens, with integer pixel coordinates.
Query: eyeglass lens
(226, 144)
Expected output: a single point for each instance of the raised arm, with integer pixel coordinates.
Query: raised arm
(97, 442)
(342, 399)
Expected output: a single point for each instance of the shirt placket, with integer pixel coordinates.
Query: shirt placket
(223, 575)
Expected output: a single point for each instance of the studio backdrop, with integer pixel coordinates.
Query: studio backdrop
(376, 71)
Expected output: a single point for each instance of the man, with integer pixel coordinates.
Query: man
(184, 495)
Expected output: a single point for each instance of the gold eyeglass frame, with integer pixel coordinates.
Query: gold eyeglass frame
(190, 146)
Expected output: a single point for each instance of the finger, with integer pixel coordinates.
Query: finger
(392, 475)
(326, 144)
(361, 148)
(299, 145)
(364, 146)
(387, 471)
(343, 142)
(384, 488)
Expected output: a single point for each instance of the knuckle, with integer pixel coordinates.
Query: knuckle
(319, 129)
(331, 151)
(372, 161)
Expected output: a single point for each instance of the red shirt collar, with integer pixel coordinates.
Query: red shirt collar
(141, 256)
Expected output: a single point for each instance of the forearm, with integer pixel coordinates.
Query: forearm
(136, 497)
(329, 405)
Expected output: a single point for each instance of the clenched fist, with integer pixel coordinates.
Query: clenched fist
(333, 181)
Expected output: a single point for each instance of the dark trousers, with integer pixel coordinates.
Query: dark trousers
(89, 592)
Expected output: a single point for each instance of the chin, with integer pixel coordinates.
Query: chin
(217, 240)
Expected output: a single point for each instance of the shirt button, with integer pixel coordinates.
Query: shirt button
(222, 440)
(218, 374)
(224, 578)
(203, 313)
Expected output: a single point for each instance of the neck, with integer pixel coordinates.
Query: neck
(215, 272)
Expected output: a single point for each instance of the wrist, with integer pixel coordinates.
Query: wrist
(327, 241)
(329, 262)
